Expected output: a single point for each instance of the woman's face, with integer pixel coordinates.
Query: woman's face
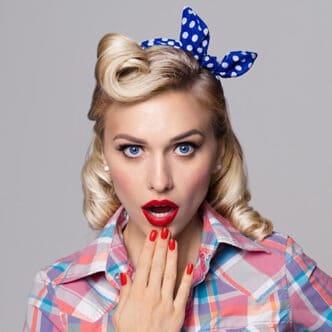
(161, 154)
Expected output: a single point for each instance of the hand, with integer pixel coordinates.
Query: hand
(147, 303)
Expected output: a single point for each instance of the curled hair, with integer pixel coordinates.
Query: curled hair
(125, 73)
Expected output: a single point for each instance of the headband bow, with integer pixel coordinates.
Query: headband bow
(195, 37)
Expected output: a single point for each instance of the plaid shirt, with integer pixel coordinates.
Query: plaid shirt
(239, 284)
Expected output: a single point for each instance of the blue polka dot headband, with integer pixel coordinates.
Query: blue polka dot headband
(195, 37)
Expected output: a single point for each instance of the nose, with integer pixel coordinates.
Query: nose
(159, 175)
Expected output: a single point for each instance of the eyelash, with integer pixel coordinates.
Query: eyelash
(193, 146)
(123, 148)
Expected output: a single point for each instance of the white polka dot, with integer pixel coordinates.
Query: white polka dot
(249, 64)
(176, 46)
(196, 57)
(164, 39)
(235, 58)
(199, 28)
(184, 21)
(224, 65)
(150, 42)
(189, 47)
(170, 42)
(206, 58)
(238, 68)
(243, 60)
(204, 43)
(192, 24)
(190, 11)
(253, 55)
(234, 74)
(206, 31)
(199, 50)
(194, 38)
(185, 35)
(223, 73)
(244, 53)
(209, 65)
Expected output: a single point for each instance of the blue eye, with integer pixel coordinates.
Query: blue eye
(184, 149)
(132, 151)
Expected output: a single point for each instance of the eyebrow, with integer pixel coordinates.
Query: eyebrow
(176, 138)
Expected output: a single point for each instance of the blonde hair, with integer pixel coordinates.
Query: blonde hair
(126, 73)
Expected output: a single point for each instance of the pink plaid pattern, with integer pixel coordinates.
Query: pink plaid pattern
(239, 284)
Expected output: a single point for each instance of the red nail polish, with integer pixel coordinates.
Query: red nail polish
(164, 233)
(190, 268)
(171, 244)
(123, 279)
(153, 235)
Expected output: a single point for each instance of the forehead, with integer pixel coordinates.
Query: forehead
(169, 114)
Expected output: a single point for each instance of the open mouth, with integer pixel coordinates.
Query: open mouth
(160, 213)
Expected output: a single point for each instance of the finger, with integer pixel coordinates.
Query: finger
(167, 291)
(145, 260)
(126, 283)
(159, 261)
(184, 289)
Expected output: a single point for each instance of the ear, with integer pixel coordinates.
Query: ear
(217, 163)
(220, 149)
(103, 158)
(216, 168)
(105, 163)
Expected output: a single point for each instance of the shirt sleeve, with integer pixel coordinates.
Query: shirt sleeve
(42, 314)
(310, 291)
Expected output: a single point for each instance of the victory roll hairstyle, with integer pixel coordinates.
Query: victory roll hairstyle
(125, 74)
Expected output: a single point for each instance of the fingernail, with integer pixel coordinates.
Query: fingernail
(123, 279)
(153, 235)
(190, 268)
(171, 244)
(164, 233)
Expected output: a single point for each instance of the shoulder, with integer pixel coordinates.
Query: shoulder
(283, 254)
(267, 269)
(55, 272)
(75, 286)
(76, 267)
(89, 260)
(288, 251)
(46, 281)
(276, 249)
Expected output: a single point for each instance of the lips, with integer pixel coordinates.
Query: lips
(160, 213)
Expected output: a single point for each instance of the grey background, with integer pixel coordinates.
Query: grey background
(281, 112)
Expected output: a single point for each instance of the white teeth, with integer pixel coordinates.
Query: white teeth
(159, 214)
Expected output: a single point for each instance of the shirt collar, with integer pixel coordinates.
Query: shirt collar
(108, 254)
(217, 229)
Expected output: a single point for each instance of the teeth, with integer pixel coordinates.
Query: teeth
(159, 214)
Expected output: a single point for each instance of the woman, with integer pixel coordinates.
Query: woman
(179, 248)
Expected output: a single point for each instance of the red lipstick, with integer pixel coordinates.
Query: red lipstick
(160, 213)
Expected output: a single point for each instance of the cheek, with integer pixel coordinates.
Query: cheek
(197, 180)
(123, 183)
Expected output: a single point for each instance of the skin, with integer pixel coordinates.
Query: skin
(162, 148)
